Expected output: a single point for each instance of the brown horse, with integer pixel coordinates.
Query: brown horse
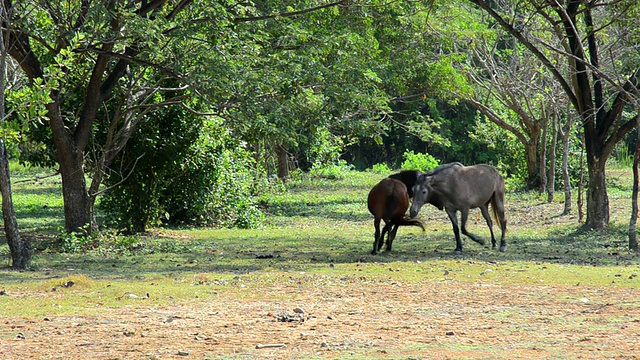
(455, 187)
(389, 201)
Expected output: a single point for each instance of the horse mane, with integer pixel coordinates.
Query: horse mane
(408, 178)
(443, 167)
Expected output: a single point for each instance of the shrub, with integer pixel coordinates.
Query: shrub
(419, 161)
(191, 172)
(380, 169)
(340, 170)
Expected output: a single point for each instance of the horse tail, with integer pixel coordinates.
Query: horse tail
(497, 205)
(406, 221)
(391, 204)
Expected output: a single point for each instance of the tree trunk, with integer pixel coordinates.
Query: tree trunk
(543, 160)
(551, 183)
(77, 209)
(581, 182)
(533, 164)
(283, 162)
(19, 248)
(78, 216)
(633, 241)
(566, 133)
(597, 198)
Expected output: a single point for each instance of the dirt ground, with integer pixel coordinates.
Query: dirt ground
(427, 320)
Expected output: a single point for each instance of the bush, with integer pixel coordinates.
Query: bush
(419, 161)
(380, 169)
(191, 172)
(337, 171)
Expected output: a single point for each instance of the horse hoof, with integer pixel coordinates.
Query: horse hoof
(373, 252)
(503, 248)
(458, 252)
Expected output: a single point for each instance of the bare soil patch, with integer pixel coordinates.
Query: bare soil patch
(424, 320)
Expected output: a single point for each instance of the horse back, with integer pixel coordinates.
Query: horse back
(466, 186)
(388, 199)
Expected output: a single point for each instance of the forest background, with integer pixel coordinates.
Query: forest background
(182, 113)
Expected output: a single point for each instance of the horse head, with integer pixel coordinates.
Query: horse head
(421, 194)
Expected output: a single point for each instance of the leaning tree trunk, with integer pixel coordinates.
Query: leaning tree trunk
(19, 248)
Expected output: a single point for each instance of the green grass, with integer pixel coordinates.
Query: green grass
(319, 227)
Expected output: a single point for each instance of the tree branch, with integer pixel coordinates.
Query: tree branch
(289, 14)
(537, 53)
(495, 118)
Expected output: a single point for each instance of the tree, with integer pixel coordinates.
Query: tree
(105, 62)
(511, 93)
(315, 76)
(84, 52)
(20, 248)
(598, 88)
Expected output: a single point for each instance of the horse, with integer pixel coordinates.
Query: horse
(410, 177)
(456, 187)
(388, 201)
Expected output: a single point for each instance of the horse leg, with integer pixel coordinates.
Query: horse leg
(392, 236)
(376, 226)
(485, 213)
(464, 214)
(456, 230)
(385, 230)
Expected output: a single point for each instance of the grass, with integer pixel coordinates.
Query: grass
(319, 227)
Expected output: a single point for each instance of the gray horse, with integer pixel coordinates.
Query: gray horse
(455, 187)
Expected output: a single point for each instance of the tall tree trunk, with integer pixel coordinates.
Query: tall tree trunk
(566, 133)
(19, 248)
(581, 182)
(543, 160)
(551, 183)
(633, 241)
(283, 162)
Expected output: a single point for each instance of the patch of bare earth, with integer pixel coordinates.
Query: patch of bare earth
(430, 320)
